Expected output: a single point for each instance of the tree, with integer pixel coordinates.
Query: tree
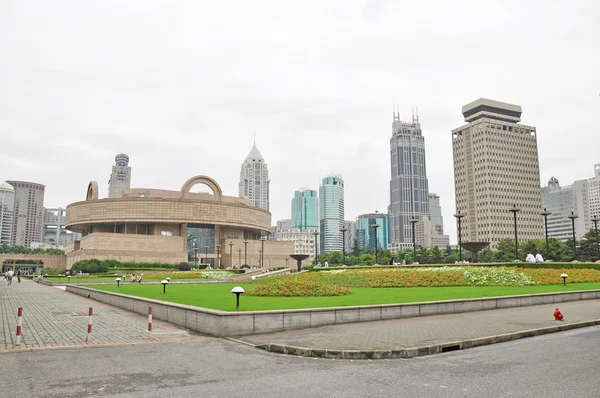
(183, 266)
(367, 259)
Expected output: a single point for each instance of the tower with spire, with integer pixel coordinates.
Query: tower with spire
(254, 179)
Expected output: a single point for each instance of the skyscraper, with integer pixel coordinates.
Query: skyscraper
(305, 210)
(366, 235)
(254, 179)
(331, 214)
(120, 178)
(496, 167)
(409, 189)
(561, 201)
(7, 208)
(28, 216)
(435, 211)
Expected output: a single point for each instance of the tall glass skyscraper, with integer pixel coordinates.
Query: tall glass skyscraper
(435, 209)
(409, 188)
(305, 210)
(254, 179)
(28, 215)
(365, 233)
(331, 210)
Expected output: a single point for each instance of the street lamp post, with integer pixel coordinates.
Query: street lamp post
(240, 253)
(315, 234)
(459, 216)
(262, 250)
(413, 221)
(206, 255)
(573, 216)
(343, 230)
(260, 258)
(231, 254)
(514, 210)
(595, 221)
(218, 264)
(375, 226)
(546, 213)
(245, 251)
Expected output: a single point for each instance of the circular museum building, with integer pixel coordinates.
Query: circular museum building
(154, 225)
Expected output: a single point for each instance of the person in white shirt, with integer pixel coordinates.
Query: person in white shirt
(9, 276)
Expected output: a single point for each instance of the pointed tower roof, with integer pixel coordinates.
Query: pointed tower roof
(254, 154)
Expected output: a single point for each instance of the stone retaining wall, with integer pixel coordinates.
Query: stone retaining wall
(227, 324)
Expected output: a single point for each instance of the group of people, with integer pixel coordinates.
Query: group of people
(137, 278)
(9, 274)
(322, 265)
(534, 259)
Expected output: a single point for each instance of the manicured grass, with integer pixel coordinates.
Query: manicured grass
(218, 296)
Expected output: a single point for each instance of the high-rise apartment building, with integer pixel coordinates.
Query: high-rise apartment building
(350, 227)
(28, 216)
(593, 188)
(54, 228)
(427, 235)
(7, 209)
(368, 236)
(435, 213)
(495, 168)
(305, 210)
(254, 179)
(331, 214)
(409, 189)
(120, 178)
(561, 202)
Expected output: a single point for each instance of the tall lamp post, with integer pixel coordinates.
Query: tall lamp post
(459, 216)
(206, 255)
(262, 250)
(413, 221)
(245, 251)
(240, 260)
(218, 264)
(573, 216)
(195, 250)
(514, 210)
(343, 230)
(546, 213)
(231, 254)
(375, 226)
(315, 234)
(260, 258)
(595, 220)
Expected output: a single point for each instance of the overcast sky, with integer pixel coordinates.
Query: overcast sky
(180, 86)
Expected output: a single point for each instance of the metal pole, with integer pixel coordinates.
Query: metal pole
(573, 216)
(231, 254)
(245, 251)
(375, 226)
(546, 213)
(316, 234)
(262, 253)
(206, 255)
(595, 220)
(240, 259)
(414, 243)
(343, 245)
(515, 210)
(459, 239)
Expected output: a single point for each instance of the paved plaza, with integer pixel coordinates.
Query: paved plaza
(53, 317)
(430, 330)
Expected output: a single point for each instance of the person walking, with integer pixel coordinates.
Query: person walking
(19, 275)
(9, 276)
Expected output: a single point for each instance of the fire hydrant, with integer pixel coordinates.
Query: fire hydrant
(558, 316)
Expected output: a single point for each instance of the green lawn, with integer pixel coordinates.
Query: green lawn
(218, 296)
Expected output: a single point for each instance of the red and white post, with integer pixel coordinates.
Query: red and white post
(19, 319)
(149, 323)
(89, 333)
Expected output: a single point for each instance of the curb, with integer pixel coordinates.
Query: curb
(402, 353)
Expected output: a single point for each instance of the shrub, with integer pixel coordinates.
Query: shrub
(183, 266)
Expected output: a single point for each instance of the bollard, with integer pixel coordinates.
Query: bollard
(149, 323)
(89, 333)
(19, 318)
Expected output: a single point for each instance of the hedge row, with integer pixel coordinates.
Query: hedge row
(595, 266)
(99, 266)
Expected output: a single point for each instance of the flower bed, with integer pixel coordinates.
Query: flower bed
(296, 288)
(548, 276)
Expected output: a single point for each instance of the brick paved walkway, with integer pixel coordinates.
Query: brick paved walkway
(53, 318)
(430, 330)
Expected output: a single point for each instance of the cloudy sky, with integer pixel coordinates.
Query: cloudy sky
(180, 86)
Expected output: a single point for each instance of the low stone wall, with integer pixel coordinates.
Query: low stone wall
(228, 324)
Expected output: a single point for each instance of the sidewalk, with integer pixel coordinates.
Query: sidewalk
(427, 335)
(55, 318)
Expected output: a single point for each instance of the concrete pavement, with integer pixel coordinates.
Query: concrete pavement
(401, 338)
(55, 318)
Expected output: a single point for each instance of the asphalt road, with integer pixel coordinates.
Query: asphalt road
(558, 365)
